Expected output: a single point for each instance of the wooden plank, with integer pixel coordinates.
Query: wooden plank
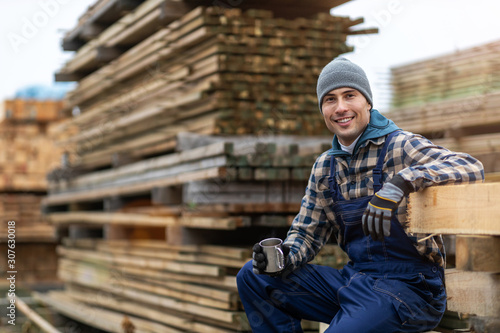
(104, 280)
(169, 255)
(227, 296)
(215, 149)
(479, 253)
(107, 320)
(215, 250)
(110, 218)
(449, 210)
(219, 282)
(85, 54)
(150, 288)
(130, 291)
(476, 293)
(130, 307)
(39, 321)
(177, 320)
(97, 257)
(217, 172)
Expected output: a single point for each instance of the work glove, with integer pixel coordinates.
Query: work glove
(259, 261)
(377, 217)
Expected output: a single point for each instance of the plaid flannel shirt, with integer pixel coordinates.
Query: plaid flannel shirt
(412, 156)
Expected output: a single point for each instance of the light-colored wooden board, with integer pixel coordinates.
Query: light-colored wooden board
(154, 263)
(476, 293)
(107, 320)
(478, 253)
(110, 218)
(472, 209)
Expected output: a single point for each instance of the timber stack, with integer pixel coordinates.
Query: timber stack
(27, 153)
(454, 100)
(195, 129)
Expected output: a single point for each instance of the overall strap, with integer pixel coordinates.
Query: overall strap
(334, 187)
(377, 171)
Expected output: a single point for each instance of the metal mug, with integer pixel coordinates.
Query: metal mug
(271, 247)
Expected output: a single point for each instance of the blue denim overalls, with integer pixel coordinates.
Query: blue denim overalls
(386, 287)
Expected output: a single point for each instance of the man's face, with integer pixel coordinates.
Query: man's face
(347, 113)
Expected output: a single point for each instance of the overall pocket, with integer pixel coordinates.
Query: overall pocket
(419, 302)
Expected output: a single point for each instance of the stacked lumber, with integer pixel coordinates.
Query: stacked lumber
(24, 209)
(470, 72)
(98, 17)
(474, 285)
(185, 288)
(27, 153)
(455, 101)
(194, 132)
(153, 285)
(32, 110)
(177, 217)
(241, 72)
(246, 159)
(36, 260)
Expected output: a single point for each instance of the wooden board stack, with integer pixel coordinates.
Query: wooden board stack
(241, 72)
(455, 101)
(27, 153)
(152, 285)
(473, 287)
(40, 111)
(194, 140)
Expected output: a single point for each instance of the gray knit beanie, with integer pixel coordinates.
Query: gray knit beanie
(339, 73)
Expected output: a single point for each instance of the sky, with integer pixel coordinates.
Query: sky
(409, 31)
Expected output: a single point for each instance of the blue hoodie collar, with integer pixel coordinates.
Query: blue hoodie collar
(379, 126)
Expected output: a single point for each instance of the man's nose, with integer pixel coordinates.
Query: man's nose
(341, 106)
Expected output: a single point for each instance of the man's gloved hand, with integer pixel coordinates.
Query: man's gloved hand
(260, 261)
(377, 216)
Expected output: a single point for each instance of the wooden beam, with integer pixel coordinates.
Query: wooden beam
(89, 195)
(72, 45)
(110, 218)
(44, 325)
(478, 253)
(90, 31)
(68, 77)
(106, 54)
(472, 209)
(121, 305)
(475, 293)
(172, 266)
(109, 321)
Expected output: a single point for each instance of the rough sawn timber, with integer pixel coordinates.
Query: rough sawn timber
(472, 209)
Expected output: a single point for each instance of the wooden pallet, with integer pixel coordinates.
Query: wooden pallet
(474, 286)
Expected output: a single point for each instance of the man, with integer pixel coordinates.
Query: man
(358, 191)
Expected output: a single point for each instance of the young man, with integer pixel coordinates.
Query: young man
(358, 191)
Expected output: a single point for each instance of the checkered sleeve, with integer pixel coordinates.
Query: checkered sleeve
(311, 228)
(429, 165)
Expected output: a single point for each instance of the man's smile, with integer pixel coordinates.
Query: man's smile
(344, 120)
